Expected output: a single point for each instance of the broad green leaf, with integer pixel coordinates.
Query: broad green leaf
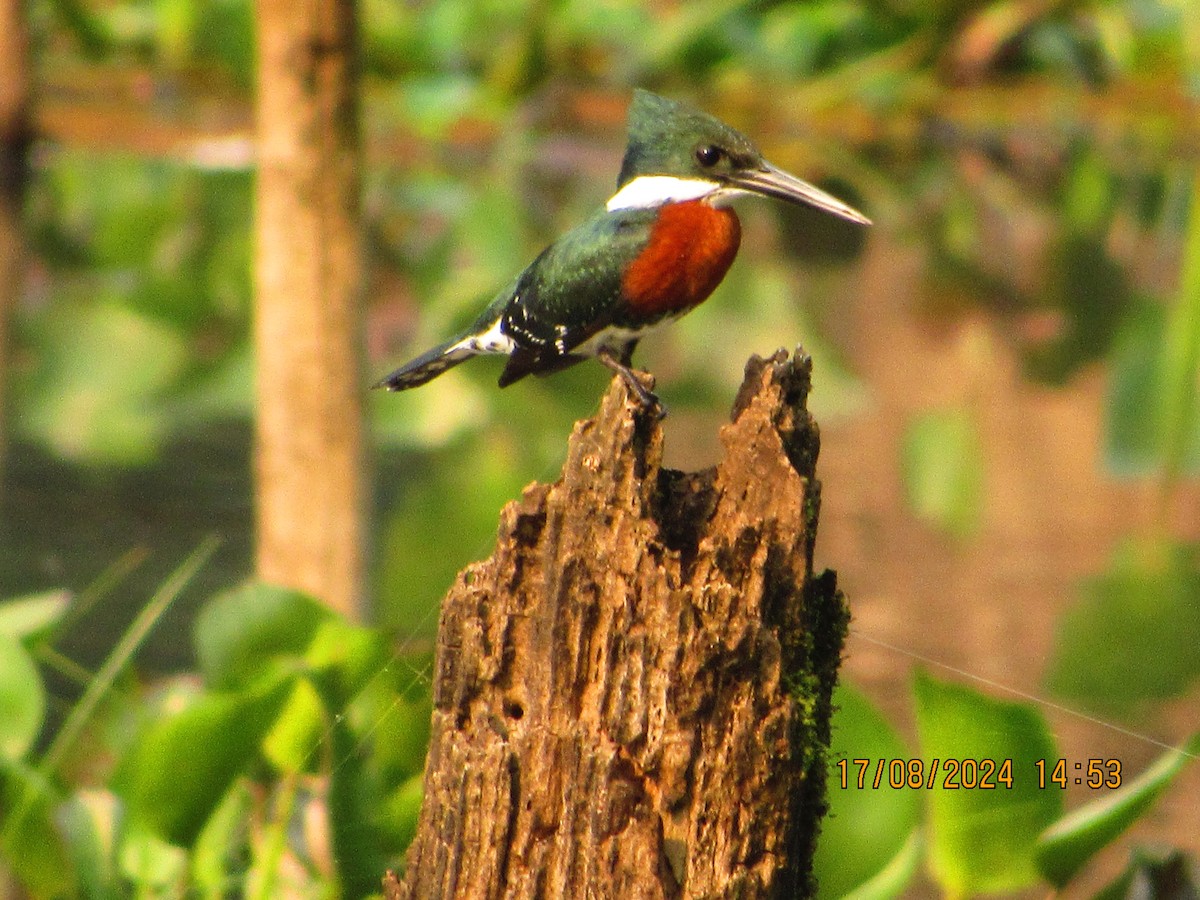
(1154, 405)
(1075, 838)
(243, 632)
(31, 844)
(21, 617)
(22, 699)
(895, 876)
(942, 462)
(340, 660)
(1092, 290)
(343, 658)
(982, 839)
(866, 828)
(1146, 605)
(215, 856)
(212, 741)
(296, 741)
(153, 864)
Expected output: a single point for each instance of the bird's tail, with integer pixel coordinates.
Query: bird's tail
(430, 364)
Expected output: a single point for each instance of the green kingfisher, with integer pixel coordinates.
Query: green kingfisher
(660, 246)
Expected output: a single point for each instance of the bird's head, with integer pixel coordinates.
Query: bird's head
(676, 153)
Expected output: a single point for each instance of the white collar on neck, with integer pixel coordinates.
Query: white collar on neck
(649, 191)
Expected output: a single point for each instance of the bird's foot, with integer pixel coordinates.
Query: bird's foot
(646, 398)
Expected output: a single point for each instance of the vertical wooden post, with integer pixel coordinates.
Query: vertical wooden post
(15, 136)
(309, 454)
(632, 695)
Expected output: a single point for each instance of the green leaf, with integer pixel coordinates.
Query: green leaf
(151, 863)
(982, 839)
(90, 30)
(213, 741)
(294, 744)
(22, 617)
(242, 633)
(942, 462)
(866, 828)
(30, 842)
(1179, 406)
(343, 658)
(22, 699)
(1093, 292)
(1138, 405)
(1069, 843)
(214, 858)
(1146, 605)
(895, 876)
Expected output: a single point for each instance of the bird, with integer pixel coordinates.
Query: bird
(659, 247)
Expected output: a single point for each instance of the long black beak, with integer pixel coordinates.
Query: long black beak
(773, 182)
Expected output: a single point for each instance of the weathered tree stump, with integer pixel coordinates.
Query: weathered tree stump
(631, 697)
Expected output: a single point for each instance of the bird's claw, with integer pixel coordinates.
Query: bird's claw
(645, 397)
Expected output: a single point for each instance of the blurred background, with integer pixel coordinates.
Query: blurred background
(1005, 365)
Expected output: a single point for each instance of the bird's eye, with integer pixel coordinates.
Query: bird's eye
(708, 155)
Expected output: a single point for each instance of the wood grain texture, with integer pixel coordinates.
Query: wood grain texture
(631, 695)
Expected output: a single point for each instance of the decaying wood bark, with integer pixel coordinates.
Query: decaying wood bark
(631, 697)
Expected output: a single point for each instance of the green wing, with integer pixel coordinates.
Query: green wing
(572, 290)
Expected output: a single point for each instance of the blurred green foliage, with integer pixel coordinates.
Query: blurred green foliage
(490, 127)
(980, 802)
(297, 717)
(1145, 605)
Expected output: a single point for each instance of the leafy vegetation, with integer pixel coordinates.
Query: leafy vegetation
(297, 723)
(980, 801)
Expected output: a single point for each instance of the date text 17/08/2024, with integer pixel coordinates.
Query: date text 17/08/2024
(974, 774)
